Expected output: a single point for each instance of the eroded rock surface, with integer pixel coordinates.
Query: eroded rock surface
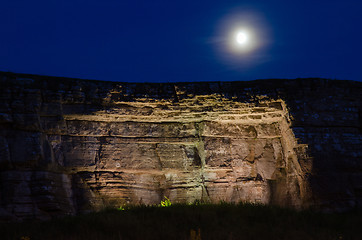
(71, 145)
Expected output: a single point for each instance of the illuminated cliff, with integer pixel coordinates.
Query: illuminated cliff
(71, 145)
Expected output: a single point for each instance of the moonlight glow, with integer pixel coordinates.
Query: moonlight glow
(241, 38)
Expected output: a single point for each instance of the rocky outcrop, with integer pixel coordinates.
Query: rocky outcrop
(71, 145)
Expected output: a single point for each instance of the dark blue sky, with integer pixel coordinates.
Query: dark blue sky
(165, 41)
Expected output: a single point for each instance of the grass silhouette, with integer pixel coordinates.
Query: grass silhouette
(197, 221)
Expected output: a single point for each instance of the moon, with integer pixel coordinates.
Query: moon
(241, 38)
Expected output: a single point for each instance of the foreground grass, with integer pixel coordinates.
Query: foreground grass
(205, 221)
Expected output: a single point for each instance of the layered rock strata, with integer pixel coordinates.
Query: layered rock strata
(71, 145)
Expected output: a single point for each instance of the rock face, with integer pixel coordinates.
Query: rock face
(71, 145)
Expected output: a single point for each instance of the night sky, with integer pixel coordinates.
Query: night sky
(189, 40)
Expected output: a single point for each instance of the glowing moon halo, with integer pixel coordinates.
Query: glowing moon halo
(241, 38)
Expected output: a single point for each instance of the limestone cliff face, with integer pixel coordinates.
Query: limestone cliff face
(71, 145)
